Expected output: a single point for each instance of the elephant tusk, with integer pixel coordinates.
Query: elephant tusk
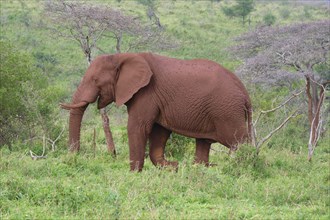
(71, 106)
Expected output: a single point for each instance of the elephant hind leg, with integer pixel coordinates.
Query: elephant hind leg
(157, 142)
(202, 152)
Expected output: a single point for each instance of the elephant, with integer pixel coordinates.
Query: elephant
(196, 98)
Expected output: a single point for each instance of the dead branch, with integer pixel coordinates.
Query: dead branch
(53, 142)
(276, 108)
(323, 84)
(267, 137)
(36, 157)
(44, 145)
(257, 144)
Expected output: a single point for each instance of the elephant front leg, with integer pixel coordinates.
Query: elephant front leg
(202, 152)
(157, 142)
(137, 139)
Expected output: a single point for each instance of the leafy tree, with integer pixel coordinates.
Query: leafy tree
(151, 11)
(241, 9)
(21, 87)
(87, 24)
(280, 56)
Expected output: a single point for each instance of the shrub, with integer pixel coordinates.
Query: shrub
(179, 146)
(26, 107)
(285, 13)
(246, 162)
(269, 19)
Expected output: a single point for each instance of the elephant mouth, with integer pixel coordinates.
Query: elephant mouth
(103, 101)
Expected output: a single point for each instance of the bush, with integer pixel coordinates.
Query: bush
(245, 161)
(285, 13)
(26, 107)
(179, 146)
(269, 19)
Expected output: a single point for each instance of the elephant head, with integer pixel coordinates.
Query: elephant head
(109, 78)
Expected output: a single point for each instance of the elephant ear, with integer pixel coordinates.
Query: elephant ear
(134, 74)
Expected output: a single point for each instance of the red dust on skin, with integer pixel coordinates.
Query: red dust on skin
(195, 98)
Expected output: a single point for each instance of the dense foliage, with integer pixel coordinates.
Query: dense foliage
(21, 98)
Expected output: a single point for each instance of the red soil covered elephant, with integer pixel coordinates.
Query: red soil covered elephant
(195, 98)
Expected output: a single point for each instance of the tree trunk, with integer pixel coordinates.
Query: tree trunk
(118, 45)
(107, 132)
(88, 51)
(315, 102)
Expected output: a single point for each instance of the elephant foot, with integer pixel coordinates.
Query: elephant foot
(207, 164)
(136, 166)
(164, 164)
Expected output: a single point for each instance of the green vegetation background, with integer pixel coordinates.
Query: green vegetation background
(279, 184)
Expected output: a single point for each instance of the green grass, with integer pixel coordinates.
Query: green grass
(276, 185)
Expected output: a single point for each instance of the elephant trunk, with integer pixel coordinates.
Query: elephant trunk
(76, 116)
(77, 109)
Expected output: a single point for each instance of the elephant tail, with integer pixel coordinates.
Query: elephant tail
(251, 136)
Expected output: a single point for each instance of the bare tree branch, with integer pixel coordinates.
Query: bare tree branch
(96, 21)
(36, 157)
(258, 144)
(276, 108)
(263, 140)
(45, 140)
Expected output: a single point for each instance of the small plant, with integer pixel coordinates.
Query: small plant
(285, 13)
(246, 161)
(178, 146)
(307, 13)
(269, 19)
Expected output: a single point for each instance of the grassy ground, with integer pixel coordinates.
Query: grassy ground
(278, 184)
